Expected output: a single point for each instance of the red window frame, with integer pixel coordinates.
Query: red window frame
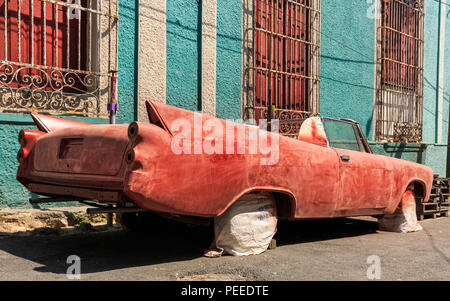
(35, 43)
(400, 44)
(282, 56)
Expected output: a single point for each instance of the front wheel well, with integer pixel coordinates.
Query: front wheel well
(418, 189)
(284, 204)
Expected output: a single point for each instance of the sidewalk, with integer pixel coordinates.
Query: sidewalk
(27, 221)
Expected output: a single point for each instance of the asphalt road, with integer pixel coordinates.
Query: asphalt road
(307, 250)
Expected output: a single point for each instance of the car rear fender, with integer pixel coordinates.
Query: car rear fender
(285, 199)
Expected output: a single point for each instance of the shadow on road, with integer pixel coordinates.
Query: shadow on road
(169, 242)
(293, 232)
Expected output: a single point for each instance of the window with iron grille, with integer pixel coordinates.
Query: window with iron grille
(399, 94)
(282, 73)
(56, 55)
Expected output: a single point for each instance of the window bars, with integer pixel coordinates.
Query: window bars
(282, 72)
(399, 93)
(56, 56)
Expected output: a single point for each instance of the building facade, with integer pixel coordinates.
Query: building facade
(383, 63)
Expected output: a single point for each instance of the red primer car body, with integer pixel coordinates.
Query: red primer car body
(136, 163)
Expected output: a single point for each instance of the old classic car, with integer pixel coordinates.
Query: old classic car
(187, 164)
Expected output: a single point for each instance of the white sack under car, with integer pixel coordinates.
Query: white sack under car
(247, 227)
(404, 218)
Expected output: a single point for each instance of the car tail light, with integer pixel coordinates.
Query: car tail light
(130, 156)
(29, 137)
(22, 154)
(133, 130)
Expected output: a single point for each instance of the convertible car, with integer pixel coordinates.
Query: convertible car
(186, 164)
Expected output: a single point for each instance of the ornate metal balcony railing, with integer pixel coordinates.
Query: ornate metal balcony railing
(56, 56)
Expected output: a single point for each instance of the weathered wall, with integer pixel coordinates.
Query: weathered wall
(347, 62)
(228, 80)
(436, 151)
(176, 38)
(446, 96)
(347, 78)
(430, 71)
(152, 54)
(12, 193)
(415, 152)
(183, 48)
(208, 56)
(429, 154)
(127, 49)
(436, 158)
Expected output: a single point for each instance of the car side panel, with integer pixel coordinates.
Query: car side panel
(206, 184)
(365, 182)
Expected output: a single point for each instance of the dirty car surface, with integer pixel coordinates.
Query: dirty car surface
(329, 171)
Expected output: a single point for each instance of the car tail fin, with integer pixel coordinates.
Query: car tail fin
(48, 124)
(154, 111)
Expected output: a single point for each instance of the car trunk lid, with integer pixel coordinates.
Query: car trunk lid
(95, 150)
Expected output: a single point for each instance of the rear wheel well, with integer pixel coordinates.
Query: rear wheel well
(284, 201)
(284, 204)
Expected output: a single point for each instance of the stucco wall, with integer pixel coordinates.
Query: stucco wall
(436, 152)
(228, 80)
(12, 193)
(152, 54)
(183, 48)
(429, 154)
(347, 78)
(127, 60)
(430, 71)
(436, 158)
(346, 71)
(208, 59)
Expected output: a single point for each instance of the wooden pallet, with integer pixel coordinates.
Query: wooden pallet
(422, 216)
(438, 204)
(435, 191)
(432, 209)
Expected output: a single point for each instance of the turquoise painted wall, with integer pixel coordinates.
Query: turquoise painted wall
(436, 158)
(430, 71)
(128, 52)
(430, 154)
(346, 71)
(446, 117)
(183, 49)
(446, 103)
(347, 78)
(436, 154)
(183, 31)
(415, 152)
(12, 193)
(228, 59)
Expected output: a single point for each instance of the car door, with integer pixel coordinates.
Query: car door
(365, 179)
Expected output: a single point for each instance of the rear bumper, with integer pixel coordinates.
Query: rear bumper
(91, 194)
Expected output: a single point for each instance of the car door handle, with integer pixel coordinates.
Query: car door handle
(345, 158)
